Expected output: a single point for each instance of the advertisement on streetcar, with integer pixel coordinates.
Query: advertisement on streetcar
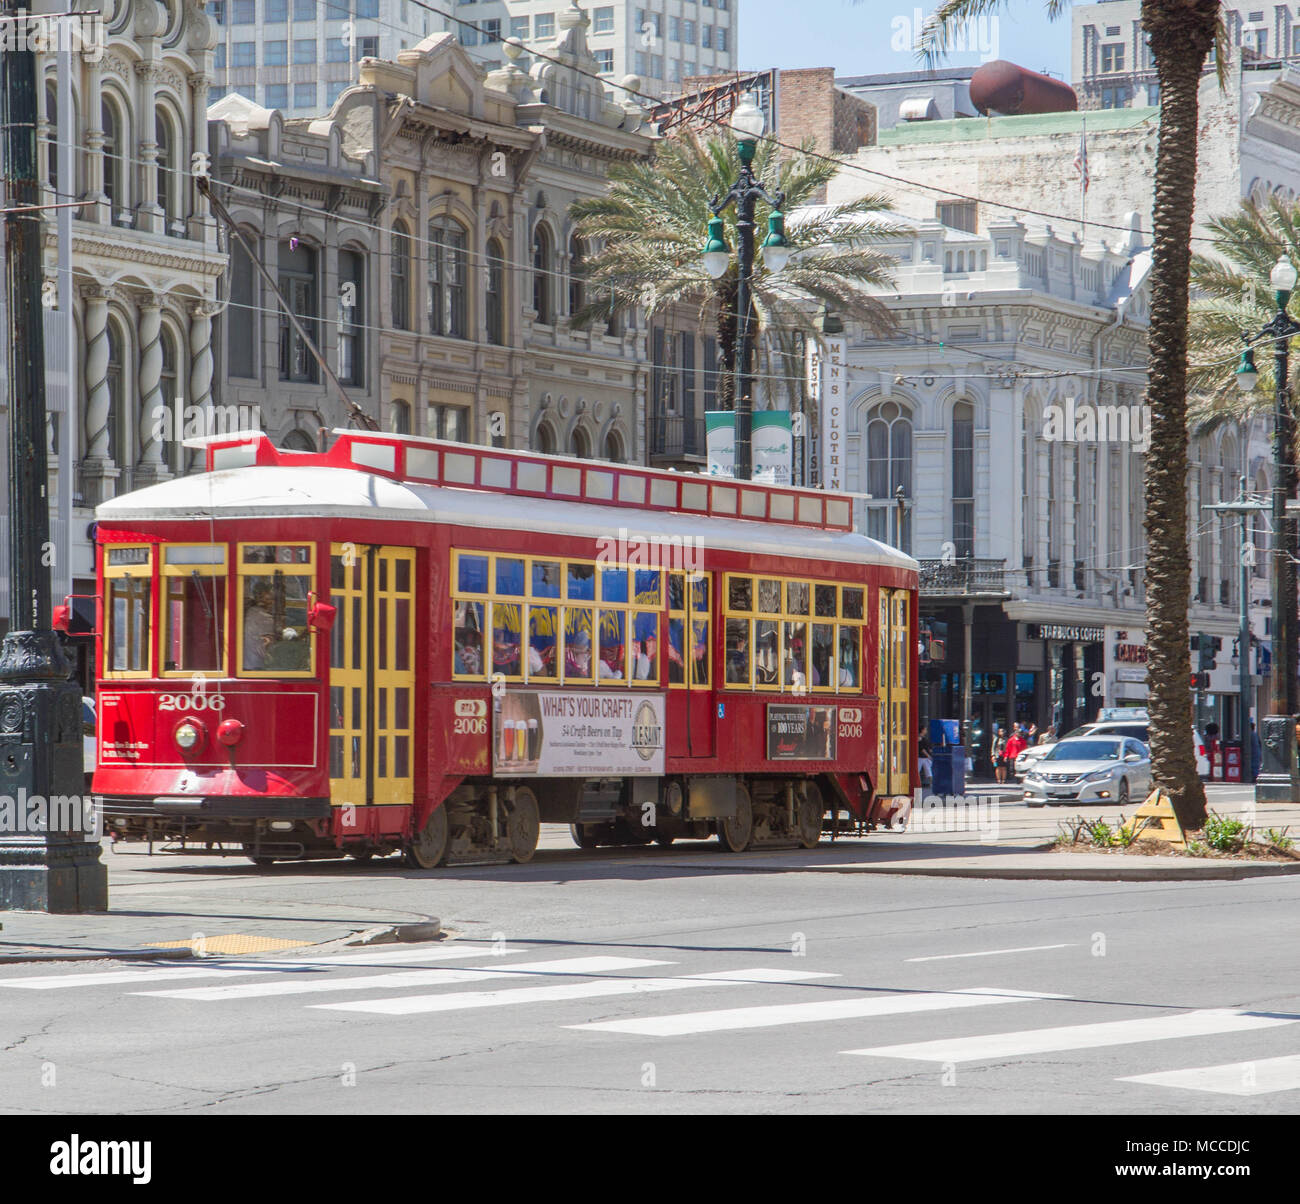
(554, 733)
(800, 733)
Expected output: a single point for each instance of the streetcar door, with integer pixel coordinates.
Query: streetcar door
(372, 674)
(894, 689)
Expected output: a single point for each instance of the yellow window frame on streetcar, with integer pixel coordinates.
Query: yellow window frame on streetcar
(562, 620)
(267, 644)
(790, 611)
(204, 566)
(132, 564)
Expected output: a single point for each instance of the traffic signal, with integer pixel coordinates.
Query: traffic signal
(1205, 646)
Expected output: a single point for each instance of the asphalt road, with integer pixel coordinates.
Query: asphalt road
(626, 981)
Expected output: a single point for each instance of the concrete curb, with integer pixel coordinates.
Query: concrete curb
(428, 929)
(1230, 872)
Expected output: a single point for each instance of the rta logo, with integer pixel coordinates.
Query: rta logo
(850, 714)
(471, 708)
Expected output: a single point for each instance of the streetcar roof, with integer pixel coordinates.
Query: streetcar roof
(261, 492)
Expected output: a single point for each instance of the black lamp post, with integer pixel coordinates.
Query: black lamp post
(1279, 780)
(49, 861)
(747, 124)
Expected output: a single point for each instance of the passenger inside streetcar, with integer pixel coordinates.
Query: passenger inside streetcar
(677, 651)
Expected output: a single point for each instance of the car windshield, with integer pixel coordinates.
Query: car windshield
(1085, 750)
(1078, 731)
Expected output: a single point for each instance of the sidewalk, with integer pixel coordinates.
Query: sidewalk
(228, 910)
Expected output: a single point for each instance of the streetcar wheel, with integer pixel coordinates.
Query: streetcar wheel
(362, 855)
(736, 831)
(665, 839)
(584, 835)
(430, 845)
(261, 862)
(523, 825)
(809, 816)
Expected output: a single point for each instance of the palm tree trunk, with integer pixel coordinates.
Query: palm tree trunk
(1181, 36)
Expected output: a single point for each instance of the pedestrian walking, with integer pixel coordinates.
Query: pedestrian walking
(999, 754)
(1015, 746)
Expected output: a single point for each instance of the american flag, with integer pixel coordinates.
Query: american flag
(1081, 158)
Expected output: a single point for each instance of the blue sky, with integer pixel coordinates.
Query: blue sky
(868, 37)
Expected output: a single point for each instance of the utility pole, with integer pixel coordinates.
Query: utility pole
(50, 854)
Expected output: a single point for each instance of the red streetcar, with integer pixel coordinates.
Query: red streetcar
(402, 643)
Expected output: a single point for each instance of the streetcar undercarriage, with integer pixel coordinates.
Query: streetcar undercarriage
(494, 822)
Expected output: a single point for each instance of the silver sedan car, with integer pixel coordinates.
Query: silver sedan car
(1090, 769)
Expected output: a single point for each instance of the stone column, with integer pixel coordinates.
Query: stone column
(154, 415)
(200, 390)
(98, 399)
(152, 218)
(193, 201)
(92, 103)
(98, 472)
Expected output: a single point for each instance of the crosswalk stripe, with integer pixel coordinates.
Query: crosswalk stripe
(411, 1004)
(405, 978)
(1080, 1036)
(225, 967)
(51, 982)
(686, 1023)
(1261, 1077)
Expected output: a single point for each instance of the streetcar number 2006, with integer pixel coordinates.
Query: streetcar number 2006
(191, 702)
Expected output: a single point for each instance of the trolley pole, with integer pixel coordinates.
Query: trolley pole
(49, 848)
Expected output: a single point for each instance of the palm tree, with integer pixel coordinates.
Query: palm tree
(1180, 33)
(651, 224)
(1234, 297)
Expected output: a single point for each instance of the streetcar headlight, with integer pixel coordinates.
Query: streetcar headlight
(188, 735)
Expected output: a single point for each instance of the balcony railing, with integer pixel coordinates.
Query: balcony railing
(672, 436)
(965, 576)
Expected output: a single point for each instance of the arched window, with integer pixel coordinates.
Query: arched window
(447, 278)
(496, 283)
(168, 176)
(1259, 528)
(352, 318)
(580, 443)
(542, 261)
(173, 453)
(118, 444)
(299, 440)
(614, 447)
(1055, 522)
(241, 316)
(52, 146)
(1028, 471)
(577, 289)
(1229, 535)
(114, 149)
(963, 478)
(544, 440)
(889, 465)
(401, 277)
(300, 285)
(401, 418)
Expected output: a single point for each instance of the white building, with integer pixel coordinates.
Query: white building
(1057, 526)
(1111, 65)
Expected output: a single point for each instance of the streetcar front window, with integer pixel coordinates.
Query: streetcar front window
(194, 608)
(275, 581)
(128, 576)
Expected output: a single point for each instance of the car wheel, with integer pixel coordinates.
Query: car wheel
(1123, 793)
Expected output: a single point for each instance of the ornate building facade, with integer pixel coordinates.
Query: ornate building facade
(144, 257)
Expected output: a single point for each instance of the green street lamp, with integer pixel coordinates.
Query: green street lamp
(747, 123)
